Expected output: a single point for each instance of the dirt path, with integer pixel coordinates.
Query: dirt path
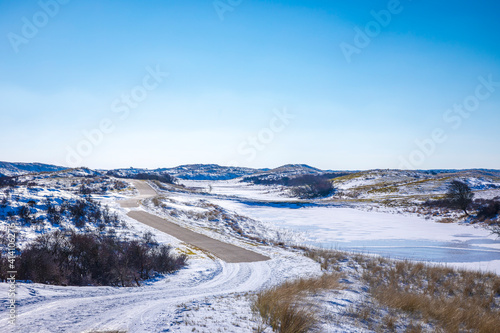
(227, 252)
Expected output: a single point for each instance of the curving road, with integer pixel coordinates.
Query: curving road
(227, 252)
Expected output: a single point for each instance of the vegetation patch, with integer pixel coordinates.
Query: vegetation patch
(69, 258)
(420, 297)
(286, 309)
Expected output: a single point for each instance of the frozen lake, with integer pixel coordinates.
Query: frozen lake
(391, 235)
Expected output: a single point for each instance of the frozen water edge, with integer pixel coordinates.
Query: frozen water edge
(390, 234)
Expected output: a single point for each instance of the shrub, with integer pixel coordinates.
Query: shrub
(309, 187)
(80, 212)
(5, 202)
(90, 259)
(267, 179)
(487, 209)
(4, 266)
(160, 176)
(303, 186)
(8, 181)
(24, 213)
(439, 203)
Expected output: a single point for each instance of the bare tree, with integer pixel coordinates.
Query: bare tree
(460, 195)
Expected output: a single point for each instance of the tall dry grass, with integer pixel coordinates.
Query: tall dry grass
(285, 307)
(451, 300)
(455, 300)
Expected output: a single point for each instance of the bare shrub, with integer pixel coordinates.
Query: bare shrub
(487, 209)
(310, 187)
(90, 259)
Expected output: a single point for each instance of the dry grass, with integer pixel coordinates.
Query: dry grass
(327, 258)
(285, 307)
(418, 295)
(455, 300)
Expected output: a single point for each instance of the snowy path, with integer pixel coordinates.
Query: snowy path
(145, 309)
(227, 252)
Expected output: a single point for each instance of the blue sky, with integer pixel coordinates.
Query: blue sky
(251, 83)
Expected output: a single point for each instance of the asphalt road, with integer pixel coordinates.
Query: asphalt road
(227, 252)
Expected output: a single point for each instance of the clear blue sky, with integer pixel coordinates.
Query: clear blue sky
(84, 66)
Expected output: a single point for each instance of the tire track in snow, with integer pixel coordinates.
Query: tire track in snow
(146, 310)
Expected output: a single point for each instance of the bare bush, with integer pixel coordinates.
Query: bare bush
(310, 187)
(487, 209)
(90, 259)
(158, 176)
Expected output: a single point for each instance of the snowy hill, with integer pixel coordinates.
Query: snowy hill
(16, 169)
(192, 172)
(209, 172)
(403, 184)
(295, 169)
(274, 176)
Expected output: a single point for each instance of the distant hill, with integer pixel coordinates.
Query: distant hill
(193, 172)
(17, 169)
(209, 172)
(280, 174)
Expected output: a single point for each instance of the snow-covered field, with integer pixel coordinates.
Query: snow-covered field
(212, 296)
(207, 296)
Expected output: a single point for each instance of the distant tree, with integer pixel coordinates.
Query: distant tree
(460, 195)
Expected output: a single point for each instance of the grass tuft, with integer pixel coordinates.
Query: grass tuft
(285, 308)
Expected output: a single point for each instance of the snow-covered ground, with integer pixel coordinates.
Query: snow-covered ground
(238, 189)
(209, 295)
(212, 296)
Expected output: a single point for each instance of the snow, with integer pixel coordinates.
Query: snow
(212, 296)
(236, 188)
(161, 306)
(16, 169)
(387, 234)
